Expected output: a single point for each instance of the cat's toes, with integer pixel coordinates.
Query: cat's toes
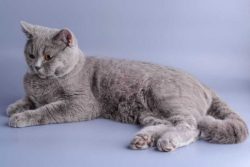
(19, 120)
(166, 145)
(141, 141)
(12, 109)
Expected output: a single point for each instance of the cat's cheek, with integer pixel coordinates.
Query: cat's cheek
(57, 72)
(58, 69)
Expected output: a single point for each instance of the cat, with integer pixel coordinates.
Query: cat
(63, 85)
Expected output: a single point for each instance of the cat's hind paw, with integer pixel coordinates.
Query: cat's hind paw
(141, 141)
(166, 145)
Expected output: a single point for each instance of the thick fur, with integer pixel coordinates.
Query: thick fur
(221, 123)
(173, 108)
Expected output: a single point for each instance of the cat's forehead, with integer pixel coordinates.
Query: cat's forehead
(42, 39)
(40, 44)
(44, 35)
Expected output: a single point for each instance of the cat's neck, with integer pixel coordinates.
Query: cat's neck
(77, 68)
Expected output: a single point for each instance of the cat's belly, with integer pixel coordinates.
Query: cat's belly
(123, 103)
(127, 111)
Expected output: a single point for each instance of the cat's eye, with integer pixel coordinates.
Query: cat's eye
(47, 57)
(31, 56)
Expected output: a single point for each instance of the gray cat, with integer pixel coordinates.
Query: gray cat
(63, 85)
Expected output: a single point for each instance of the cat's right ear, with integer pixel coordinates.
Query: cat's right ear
(28, 29)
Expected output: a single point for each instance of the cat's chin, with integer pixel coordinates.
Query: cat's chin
(42, 76)
(47, 76)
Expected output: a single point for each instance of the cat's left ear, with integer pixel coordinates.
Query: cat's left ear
(65, 36)
(28, 29)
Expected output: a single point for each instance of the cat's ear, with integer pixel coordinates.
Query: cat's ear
(28, 29)
(65, 36)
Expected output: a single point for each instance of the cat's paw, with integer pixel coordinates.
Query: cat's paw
(13, 109)
(169, 141)
(166, 144)
(141, 141)
(19, 120)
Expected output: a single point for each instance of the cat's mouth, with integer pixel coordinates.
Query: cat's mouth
(39, 73)
(42, 74)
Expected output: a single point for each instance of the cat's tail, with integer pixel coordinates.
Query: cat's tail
(222, 125)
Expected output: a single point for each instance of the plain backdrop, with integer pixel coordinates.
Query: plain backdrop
(208, 38)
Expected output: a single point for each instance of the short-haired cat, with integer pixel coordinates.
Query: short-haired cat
(63, 85)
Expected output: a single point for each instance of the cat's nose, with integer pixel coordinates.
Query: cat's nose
(37, 68)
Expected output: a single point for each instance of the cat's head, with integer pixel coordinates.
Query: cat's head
(50, 52)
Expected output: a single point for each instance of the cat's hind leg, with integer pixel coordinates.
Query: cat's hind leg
(148, 135)
(166, 134)
(183, 132)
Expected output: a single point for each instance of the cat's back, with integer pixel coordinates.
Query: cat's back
(128, 67)
(136, 70)
(132, 76)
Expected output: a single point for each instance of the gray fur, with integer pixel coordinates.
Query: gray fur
(173, 108)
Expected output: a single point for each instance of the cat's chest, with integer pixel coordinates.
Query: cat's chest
(41, 91)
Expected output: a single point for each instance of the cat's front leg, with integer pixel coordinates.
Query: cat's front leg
(19, 106)
(56, 112)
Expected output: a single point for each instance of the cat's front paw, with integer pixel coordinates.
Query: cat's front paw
(19, 120)
(13, 109)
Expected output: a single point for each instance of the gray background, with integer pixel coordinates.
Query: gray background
(208, 38)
